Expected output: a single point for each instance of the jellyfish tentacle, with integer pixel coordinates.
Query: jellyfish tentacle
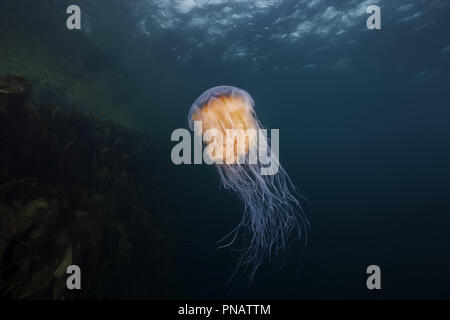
(273, 216)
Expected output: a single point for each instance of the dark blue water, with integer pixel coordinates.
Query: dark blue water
(364, 125)
(365, 141)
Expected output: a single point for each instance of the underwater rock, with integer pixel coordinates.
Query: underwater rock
(3, 105)
(14, 92)
(76, 190)
(66, 261)
(14, 85)
(15, 221)
(80, 214)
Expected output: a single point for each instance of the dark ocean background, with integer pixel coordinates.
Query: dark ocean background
(364, 119)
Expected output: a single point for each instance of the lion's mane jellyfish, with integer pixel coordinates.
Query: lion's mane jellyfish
(272, 216)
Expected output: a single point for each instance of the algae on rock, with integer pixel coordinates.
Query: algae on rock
(75, 190)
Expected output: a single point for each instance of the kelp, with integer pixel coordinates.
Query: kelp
(75, 189)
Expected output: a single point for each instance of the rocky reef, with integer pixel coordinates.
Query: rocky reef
(75, 189)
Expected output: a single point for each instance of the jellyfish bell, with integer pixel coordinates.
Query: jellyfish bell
(272, 213)
(226, 113)
(231, 96)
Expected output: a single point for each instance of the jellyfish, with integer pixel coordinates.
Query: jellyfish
(272, 213)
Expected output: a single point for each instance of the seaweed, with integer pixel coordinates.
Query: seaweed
(75, 189)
